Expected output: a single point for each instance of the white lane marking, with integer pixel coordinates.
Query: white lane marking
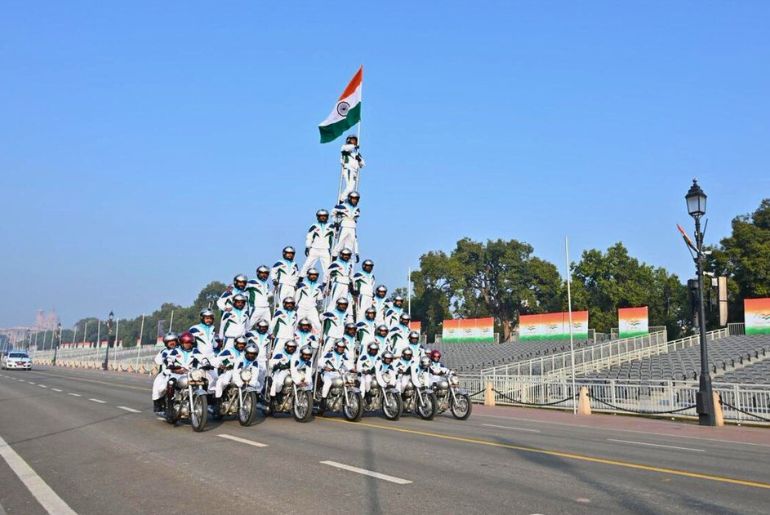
(242, 440)
(365, 472)
(56, 389)
(30, 382)
(130, 410)
(98, 400)
(514, 428)
(161, 418)
(74, 394)
(656, 445)
(42, 386)
(43, 493)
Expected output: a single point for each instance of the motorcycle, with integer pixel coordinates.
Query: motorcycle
(388, 399)
(420, 398)
(186, 398)
(345, 396)
(450, 396)
(293, 398)
(239, 401)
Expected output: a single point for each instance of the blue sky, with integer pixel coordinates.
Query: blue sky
(146, 149)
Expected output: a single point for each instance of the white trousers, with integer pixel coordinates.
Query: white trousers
(347, 239)
(222, 382)
(259, 313)
(278, 378)
(328, 376)
(285, 290)
(366, 382)
(364, 303)
(316, 255)
(339, 290)
(350, 179)
(311, 314)
(159, 386)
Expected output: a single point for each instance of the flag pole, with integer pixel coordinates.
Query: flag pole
(569, 308)
(409, 290)
(139, 343)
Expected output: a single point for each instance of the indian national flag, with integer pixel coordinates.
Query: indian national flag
(346, 112)
(757, 315)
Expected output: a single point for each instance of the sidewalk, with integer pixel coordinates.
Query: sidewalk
(679, 428)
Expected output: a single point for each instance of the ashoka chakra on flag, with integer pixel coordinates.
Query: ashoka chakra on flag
(347, 111)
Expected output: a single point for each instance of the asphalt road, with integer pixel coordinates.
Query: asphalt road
(93, 444)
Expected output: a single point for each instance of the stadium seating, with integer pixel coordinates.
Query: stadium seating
(473, 357)
(725, 355)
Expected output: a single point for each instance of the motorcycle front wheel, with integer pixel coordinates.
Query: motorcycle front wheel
(303, 406)
(461, 407)
(392, 405)
(353, 408)
(247, 413)
(199, 413)
(428, 407)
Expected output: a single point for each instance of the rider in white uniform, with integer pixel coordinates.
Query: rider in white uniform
(334, 324)
(341, 276)
(225, 301)
(280, 366)
(352, 161)
(363, 286)
(347, 214)
(235, 321)
(309, 295)
(284, 323)
(318, 243)
(380, 303)
(258, 291)
(285, 275)
(170, 340)
(366, 367)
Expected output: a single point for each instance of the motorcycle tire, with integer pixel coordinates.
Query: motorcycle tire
(199, 413)
(303, 406)
(463, 411)
(354, 412)
(247, 413)
(395, 412)
(428, 410)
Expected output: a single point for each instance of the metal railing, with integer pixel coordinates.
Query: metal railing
(93, 357)
(740, 402)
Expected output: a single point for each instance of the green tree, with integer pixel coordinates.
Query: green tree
(744, 258)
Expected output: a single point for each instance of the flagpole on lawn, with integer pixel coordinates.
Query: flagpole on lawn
(569, 309)
(139, 343)
(409, 290)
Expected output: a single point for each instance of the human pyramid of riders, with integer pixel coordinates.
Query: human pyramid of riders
(289, 341)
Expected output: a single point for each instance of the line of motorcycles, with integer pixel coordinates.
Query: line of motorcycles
(187, 398)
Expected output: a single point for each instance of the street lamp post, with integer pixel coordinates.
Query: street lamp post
(704, 400)
(56, 348)
(110, 320)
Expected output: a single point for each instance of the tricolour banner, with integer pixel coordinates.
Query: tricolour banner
(633, 322)
(553, 326)
(415, 325)
(468, 330)
(757, 315)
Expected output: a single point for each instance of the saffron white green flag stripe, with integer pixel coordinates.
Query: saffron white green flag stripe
(346, 112)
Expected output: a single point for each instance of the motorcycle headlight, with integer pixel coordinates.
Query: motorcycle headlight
(351, 377)
(287, 381)
(443, 385)
(246, 375)
(196, 375)
(454, 380)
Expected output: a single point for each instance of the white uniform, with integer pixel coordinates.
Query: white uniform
(229, 359)
(182, 358)
(318, 241)
(365, 366)
(161, 380)
(283, 327)
(207, 345)
(226, 299)
(437, 372)
(302, 371)
(386, 375)
(258, 293)
(365, 330)
(309, 294)
(404, 370)
(347, 214)
(234, 324)
(384, 344)
(263, 343)
(398, 338)
(393, 315)
(352, 161)
(340, 278)
(363, 283)
(286, 273)
(280, 367)
(333, 366)
(255, 381)
(334, 327)
(381, 304)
